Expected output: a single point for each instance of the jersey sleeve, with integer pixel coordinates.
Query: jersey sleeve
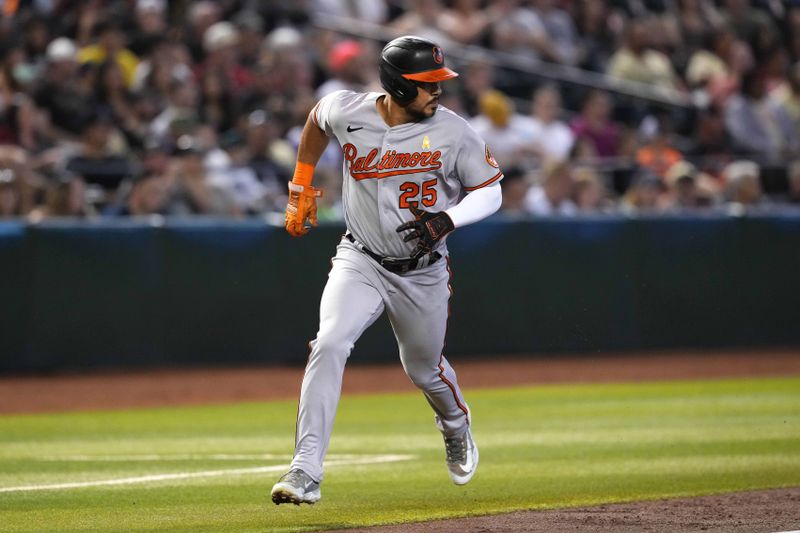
(326, 112)
(475, 165)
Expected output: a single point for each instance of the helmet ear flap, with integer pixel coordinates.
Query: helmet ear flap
(401, 89)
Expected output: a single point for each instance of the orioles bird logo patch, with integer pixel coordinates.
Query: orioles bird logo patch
(490, 158)
(438, 56)
(426, 143)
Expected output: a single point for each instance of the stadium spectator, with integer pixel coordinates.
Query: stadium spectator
(597, 26)
(350, 68)
(17, 187)
(250, 27)
(37, 34)
(793, 178)
(793, 31)
(363, 10)
(787, 95)
(659, 154)
(644, 194)
(710, 140)
(155, 158)
(756, 125)
(111, 91)
(15, 59)
(751, 24)
(181, 108)
(687, 188)
(515, 188)
(477, 77)
(774, 68)
(552, 195)
(271, 157)
(65, 101)
(147, 197)
(695, 21)
(282, 39)
(560, 29)
(200, 17)
(17, 113)
(743, 183)
(718, 68)
(637, 61)
(548, 136)
(590, 193)
(221, 44)
(505, 131)
(421, 18)
(10, 197)
(465, 22)
(595, 127)
(217, 107)
(157, 70)
(183, 189)
(273, 75)
(150, 26)
(109, 44)
(519, 30)
(65, 196)
(233, 175)
(329, 207)
(101, 160)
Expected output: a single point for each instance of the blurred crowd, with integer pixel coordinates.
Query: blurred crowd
(140, 107)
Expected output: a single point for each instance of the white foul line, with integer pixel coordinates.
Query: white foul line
(163, 457)
(153, 457)
(208, 473)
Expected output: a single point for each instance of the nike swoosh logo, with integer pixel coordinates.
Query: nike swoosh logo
(351, 129)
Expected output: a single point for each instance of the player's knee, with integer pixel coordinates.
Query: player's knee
(326, 345)
(423, 378)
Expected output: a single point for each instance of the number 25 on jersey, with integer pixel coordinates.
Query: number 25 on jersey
(410, 190)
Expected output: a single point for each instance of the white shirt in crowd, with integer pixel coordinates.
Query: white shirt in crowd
(524, 134)
(553, 140)
(506, 143)
(538, 204)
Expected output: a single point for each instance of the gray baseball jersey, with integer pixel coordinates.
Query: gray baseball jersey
(433, 164)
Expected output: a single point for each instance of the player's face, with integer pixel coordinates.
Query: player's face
(427, 100)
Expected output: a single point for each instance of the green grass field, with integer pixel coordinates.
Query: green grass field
(541, 447)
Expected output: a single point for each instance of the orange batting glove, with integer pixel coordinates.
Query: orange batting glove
(302, 204)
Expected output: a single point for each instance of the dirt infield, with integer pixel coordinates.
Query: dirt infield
(761, 511)
(745, 512)
(120, 390)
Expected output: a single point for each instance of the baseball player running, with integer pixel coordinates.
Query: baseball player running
(413, 172)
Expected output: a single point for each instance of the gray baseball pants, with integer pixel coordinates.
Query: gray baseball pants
(357, 292)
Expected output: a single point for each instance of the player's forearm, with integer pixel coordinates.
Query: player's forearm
(302, 205)
(475, 206)
(313, 142)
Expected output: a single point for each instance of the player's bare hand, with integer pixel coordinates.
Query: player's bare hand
(428, 227)
(302, 207)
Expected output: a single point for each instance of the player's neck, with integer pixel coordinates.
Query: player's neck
(393, 113)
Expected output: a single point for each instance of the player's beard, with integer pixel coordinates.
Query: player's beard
(422, 112)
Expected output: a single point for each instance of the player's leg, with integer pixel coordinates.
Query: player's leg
(418, 311)
(350, 303)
